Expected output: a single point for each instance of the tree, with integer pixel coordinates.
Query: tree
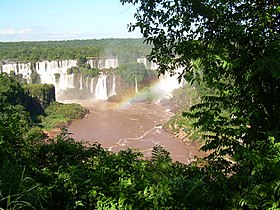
(237, 44)
(132, 71)
(14, 117)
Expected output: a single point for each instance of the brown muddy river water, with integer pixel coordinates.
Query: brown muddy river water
(138, 126)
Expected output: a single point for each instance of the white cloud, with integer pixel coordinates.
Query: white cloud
(7, 31)
(11, 31)
(25, 31)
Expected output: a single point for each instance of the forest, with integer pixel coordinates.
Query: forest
(231, 49)
(124, 49)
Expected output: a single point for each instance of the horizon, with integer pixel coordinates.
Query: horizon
(65, 20)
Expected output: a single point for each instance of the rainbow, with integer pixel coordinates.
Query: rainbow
(158, 90)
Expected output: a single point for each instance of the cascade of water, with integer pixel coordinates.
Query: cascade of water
(101, 88)
(66, 81)
(154, 65)
(87, 82)
(95, 63)
(81, 82)
(169, 83)
(63, 82)
(114, 86)
(136, 85)
(71, 83)
(91, 85)
(60, 83)
(91, 64)
(111, 63)
(142, 60)
(48, 69)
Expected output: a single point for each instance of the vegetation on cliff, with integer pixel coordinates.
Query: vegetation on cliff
(58, 115)
(44, 93)
(133, 72)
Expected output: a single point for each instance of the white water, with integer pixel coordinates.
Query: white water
(47, 71)
(95, 63)
(101, 88)
(87, 82)
(91, 86)
(103, 63)
(50, 70)
(152, 65)
(168, 82)
(81, 82)
(66, 81)
(111, 63)
(142, 60)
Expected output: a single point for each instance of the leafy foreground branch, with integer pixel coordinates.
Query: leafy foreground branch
(236, 45)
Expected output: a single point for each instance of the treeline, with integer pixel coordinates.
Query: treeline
(123, 49)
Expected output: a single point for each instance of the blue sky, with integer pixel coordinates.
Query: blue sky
(34, 20)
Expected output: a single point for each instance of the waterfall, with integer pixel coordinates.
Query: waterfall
(91, 86)
(136, 85)
(18, 69)
(101, 88)
(168, 82)
(142, 60)
(114, 86)
(66, 81)
(111, 63)
(87, 82)
(70, 79)
(81, 82)
(103, 63)
(154, 65)
(47, 71)
(60, 82)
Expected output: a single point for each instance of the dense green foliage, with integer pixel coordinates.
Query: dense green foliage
(133, 71)
(64, 174)
(237, 46)
(59, 115)
(124, 49)
(45, 93)
(89, 72)
(15, 117)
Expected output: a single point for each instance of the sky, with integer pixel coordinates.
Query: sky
(41, 20)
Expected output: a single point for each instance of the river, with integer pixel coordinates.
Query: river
(118, 127)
